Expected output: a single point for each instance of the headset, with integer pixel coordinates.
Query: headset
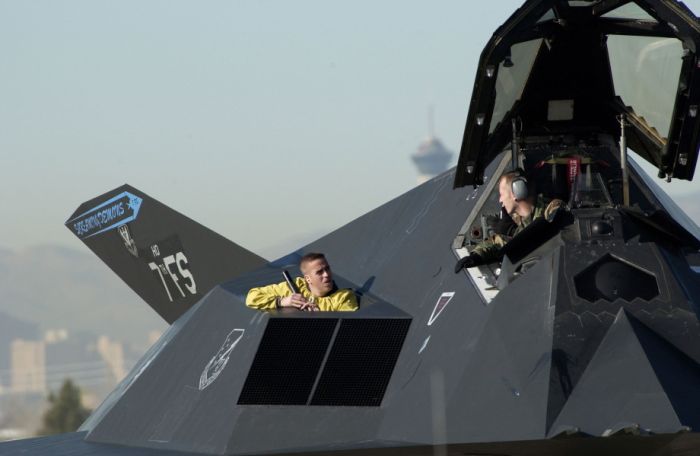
(519, 187)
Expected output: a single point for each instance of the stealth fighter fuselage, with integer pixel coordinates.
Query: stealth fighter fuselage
(583, 338)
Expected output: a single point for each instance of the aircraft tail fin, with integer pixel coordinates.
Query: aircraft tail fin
(168, 259)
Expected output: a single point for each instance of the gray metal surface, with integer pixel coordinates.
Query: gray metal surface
(635, 363)
(73, 444)
(160, 410)
(535, 360)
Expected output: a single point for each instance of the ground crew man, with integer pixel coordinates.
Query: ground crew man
(317, 291)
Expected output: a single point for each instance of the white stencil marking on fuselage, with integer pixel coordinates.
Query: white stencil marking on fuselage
(440, 305)
(217, 364)
(425, 344)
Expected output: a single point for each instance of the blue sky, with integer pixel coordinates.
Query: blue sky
(265, 121)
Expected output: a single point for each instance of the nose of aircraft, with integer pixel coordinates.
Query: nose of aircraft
(617, 346)
(656, 386)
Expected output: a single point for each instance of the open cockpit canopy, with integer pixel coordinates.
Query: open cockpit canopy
(573, 67)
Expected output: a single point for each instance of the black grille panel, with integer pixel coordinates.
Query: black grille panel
(611, 279)
(288, 360)
(361, 361)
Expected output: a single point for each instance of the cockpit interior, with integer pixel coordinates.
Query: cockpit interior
(585, 174)
(566, 91)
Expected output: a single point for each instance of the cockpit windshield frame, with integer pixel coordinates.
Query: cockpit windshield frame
(573, 67)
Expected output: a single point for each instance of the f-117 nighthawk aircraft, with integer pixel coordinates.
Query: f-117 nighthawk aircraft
(584, 339)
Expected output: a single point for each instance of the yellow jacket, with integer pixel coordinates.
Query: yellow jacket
(265, 298)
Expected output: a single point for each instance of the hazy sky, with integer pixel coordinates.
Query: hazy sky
(263, 120)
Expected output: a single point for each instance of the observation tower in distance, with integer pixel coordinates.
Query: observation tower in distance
(432, 158)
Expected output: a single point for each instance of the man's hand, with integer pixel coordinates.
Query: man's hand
(295, 300)
(298, 301)
(309, 307)
(468, 262)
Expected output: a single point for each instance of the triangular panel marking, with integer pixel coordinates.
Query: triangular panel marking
(440, 305)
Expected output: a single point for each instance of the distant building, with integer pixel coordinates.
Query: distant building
(54, 336)
(153, 336)
(74, 355)
(12, 328)
(113, 355)
(27, 359)
(431, 159)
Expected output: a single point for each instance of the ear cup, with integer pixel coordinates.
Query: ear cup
(520, 188)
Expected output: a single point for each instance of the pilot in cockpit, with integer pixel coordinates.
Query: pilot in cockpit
(315, 291)
(523, 209)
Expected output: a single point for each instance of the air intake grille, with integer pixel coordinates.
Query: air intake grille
(361, 362)
(294, 355)
(611, 279)
(287, 362)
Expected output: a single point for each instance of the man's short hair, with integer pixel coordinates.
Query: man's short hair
(517, 183)
(509, 177)
(309, 257)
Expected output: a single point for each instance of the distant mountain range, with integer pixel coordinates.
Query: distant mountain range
(55, 287)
